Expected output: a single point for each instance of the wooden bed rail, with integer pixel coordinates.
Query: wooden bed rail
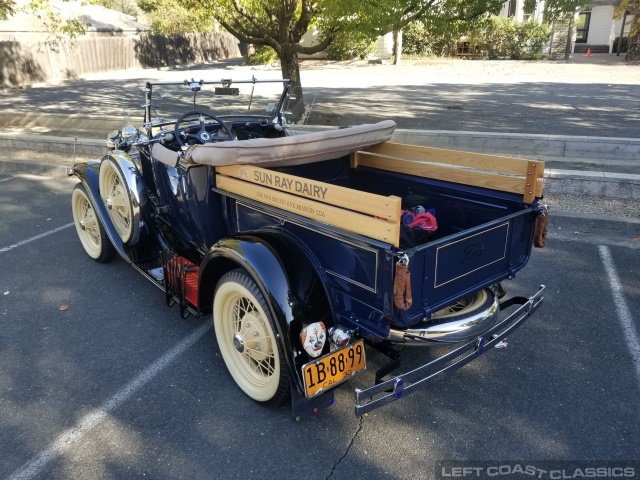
(514, 175)
(367, 214)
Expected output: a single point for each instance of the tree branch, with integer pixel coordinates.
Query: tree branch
(242, 37)
(315, 48)
(302, 25)
(257, 24)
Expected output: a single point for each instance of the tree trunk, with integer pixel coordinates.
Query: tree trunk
(290, 66)
(624, 20)
(567, 48)
(397, 47)
(633, 44)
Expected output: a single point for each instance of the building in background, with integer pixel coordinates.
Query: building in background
(101, 22)
(596, 29)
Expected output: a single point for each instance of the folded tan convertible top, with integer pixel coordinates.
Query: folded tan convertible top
(294, 149)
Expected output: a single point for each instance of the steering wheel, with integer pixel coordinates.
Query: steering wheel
(202, 136)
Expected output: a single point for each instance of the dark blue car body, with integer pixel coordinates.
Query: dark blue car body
(309, 271)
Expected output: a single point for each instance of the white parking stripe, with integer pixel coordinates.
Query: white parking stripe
(624, 314)
(6, 179)
(65, 441)
(37, 237)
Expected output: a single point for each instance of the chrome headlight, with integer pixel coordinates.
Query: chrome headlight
(129, 131)
(113, 139)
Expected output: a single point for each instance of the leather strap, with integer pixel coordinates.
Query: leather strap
(402, 287)
(540, 230)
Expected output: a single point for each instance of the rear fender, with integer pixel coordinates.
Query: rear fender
(269, 270)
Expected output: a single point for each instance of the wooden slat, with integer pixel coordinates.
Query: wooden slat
(354, 222)
(480, 161)
(440, 172)
(369, 203)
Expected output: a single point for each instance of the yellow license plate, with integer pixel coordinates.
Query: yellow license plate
(332, 369)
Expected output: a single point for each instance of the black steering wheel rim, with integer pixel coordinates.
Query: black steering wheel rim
(202, 136)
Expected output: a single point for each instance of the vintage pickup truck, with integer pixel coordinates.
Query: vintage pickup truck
(311, 248)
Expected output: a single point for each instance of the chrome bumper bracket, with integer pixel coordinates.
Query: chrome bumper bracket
(407, 383)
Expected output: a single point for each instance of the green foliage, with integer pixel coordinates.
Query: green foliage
(623, 46)
(562, 9)
(415, 40)
(529, 6)
(441, 38)
(632, 8)
(500, 37)
(385, 16)
(349, 45)
(173, 17)
(263, 55)
(492, 37)
(7, 8)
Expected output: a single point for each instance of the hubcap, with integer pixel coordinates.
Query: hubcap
(238, 342)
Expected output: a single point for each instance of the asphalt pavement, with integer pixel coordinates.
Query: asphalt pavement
(117, 385)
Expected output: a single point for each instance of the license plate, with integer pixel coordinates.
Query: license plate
(332, 369)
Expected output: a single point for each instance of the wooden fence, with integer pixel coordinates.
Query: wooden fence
(21, 64)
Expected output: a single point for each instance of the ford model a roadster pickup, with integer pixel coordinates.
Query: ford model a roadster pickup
(309, 247)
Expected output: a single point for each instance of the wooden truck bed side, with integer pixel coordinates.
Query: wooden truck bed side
(367, 214)
(513, 175)
(378, 216)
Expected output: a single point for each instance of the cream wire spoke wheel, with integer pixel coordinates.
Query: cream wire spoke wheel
(89, 228)
(246, 337)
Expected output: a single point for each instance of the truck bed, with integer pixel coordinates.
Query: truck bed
(353, 207)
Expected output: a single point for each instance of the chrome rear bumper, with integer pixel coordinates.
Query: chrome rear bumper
(450, 332)
(407, 383)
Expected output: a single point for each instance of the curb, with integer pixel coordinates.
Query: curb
(611, 148)
(48, 143)
(576, 182)
(70, 123)
(34, 168)
(625, 186)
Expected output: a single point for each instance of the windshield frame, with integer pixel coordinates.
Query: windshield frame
(277, 116)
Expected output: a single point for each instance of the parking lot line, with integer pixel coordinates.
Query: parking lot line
(65, 441)
(37, 237)
(624, 314)
(6, 179)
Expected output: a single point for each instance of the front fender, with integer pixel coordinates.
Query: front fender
(266, 268)
(88, 173)
(135, 186)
